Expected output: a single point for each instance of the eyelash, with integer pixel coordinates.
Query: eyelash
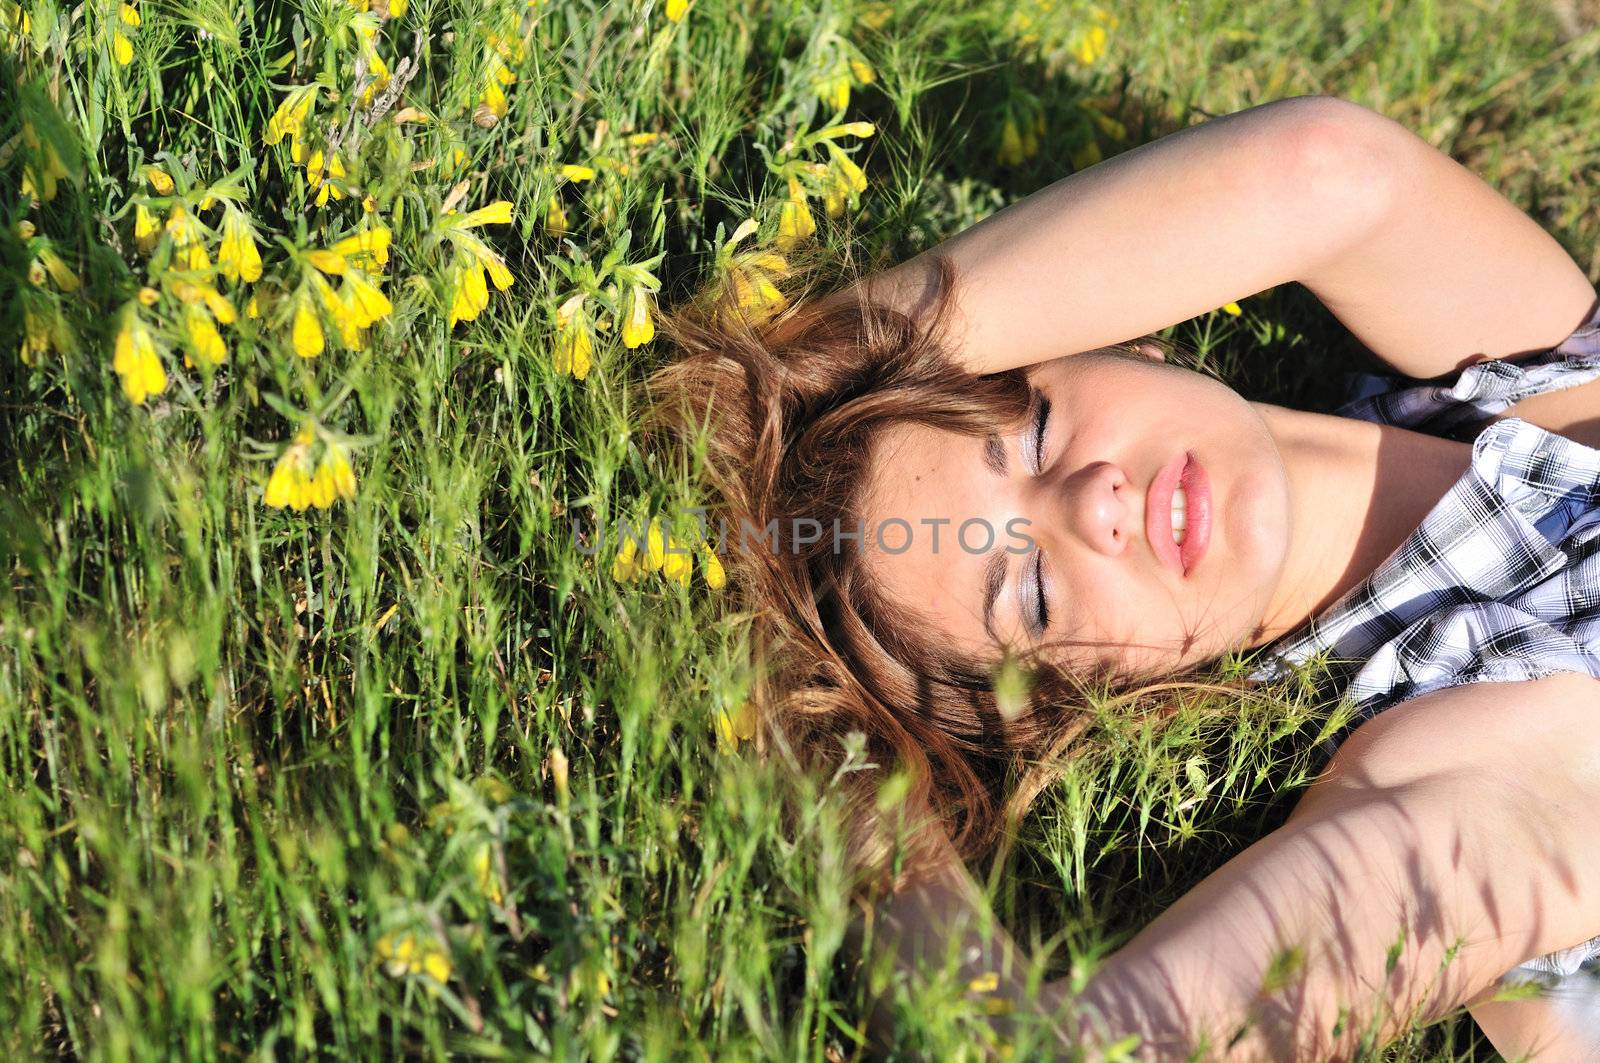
(1044, 604)
(1041, 423)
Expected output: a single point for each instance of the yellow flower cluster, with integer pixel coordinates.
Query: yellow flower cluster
(204, 308)
(290, 117)
(359, 302)
(238, 257)
(795, 223)
(1020, 132)
(749, 278)
(574, 341)
(135, 357)
(844, 69)
(122, 30)
(665, 554)
(1045, 28)
(42, 327)
(189, 249)
(475, 265)
(1088, 45)
(297, 482)
(325, 176)
(43, 169)
(840, 181)
(408, 954)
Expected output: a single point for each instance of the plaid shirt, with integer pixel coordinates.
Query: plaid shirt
(1500, 582)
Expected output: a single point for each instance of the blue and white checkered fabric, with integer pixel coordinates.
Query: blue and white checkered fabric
(1500, 582)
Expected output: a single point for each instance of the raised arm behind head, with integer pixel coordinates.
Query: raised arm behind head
(1429, 266)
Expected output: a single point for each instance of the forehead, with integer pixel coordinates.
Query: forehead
(932, 513)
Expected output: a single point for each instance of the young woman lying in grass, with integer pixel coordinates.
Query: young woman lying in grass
(1113, 520)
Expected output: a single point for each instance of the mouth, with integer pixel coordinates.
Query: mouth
(1177, 514)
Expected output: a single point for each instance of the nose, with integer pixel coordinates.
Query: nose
(1095, 505)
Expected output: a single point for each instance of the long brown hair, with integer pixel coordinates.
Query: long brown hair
(786, 411)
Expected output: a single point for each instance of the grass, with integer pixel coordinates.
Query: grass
(410, 773)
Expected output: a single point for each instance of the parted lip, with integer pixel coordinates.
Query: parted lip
(1197, 489)
(1158, 513)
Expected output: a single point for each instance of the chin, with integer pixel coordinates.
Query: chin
(1251, 523)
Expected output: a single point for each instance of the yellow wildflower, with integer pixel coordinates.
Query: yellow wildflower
(238, 257)
(121, 48)
(470, 293)
(637, 326)
(1231, 308)
(555, 218)
(290, 482)
(624, 566)
(159, 180)
(496, 213)
(51, 263)
(405, 954)
(367, 249)
(574, 344)
(290, 115)
(1010, 153)
(749, 276)
(846, 182)
(677, 563)
(483, 871)
(711, 568)
(734, 727)
(437, 966)
(136, 360)
(306, 332)
(181, 226)
(129, 14)
(204, 339)
(42, 173)
(795, 223)
(146, 229)
(38, 336)
(876, 16)
(1089, 45)
(676, 9)
(323, 179)
(365, 301)
(148, 296)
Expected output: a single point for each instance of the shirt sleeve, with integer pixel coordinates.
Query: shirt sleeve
(1459, 407)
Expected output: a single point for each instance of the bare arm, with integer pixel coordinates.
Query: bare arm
(1446, 829)
(1423, 261)
(1449, 842)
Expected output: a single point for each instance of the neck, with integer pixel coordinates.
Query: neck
(1356, 491)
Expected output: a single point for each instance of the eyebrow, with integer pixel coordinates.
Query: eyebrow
(994, 577)
(994, 454)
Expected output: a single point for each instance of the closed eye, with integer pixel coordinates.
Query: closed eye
(1041, 425)
(1038, 582)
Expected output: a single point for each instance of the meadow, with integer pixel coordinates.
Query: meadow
(321, 731)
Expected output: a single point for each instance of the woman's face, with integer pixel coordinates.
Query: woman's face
(1079, 499)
